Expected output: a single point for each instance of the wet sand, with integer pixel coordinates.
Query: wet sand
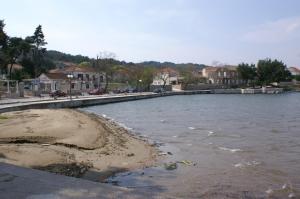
(72, 143)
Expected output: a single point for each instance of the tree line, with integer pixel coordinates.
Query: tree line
(29, 52)
(265, 72)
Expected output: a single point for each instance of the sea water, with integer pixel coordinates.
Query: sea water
(236, 146)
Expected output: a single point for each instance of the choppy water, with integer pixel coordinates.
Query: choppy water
(241, 146)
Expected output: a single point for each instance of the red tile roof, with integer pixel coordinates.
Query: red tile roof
(56, 76)
(294, 69)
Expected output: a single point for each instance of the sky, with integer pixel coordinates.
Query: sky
(211, 32)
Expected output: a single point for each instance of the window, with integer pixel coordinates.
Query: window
(101, 78)
(87, 86)
(73, 85)
(219, 74)
(80, 76)
(224, 73)
(87, 76)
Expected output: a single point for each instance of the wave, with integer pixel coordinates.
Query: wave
(210, 133)
(231, 150)
(124, 126)
(247, 164)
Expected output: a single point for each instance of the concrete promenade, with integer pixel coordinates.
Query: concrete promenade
(40, 103)
(23, 183)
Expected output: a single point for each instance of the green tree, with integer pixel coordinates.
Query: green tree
(247, 72)
(84, 64)
(297, 77)
(189, 75)
(38, 51)
(141, 77)
(105, 63)
(269, 71)
(16, 49)
(3, 35)
(3, 45)
(147, 77)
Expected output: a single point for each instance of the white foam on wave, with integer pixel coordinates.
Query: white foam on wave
(239, 165)
(103, 115)
(292, 195)
(124, 126)
(285, 186)
(231, 150)
(270, 191)
(210, 133)
(191, 128)
(247, 164)
(174, 136)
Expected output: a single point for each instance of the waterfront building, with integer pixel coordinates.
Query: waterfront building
(226, 75)
(48, 82)
(84, 79)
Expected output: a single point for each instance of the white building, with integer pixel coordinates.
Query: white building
(294, 71)
(167, 76)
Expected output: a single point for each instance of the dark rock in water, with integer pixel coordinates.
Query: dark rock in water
(169, 153)
(72, 169)
(114, 182)
(170, 166)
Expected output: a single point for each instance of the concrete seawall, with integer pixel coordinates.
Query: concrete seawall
(75, 103)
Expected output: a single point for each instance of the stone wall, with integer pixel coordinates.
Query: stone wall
(166, 88)
(203, 86)
(227, 91)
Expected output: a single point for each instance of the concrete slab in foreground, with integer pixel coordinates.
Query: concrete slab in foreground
(17, 182)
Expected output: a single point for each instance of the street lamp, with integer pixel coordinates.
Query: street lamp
(140, 85)
(70, 77)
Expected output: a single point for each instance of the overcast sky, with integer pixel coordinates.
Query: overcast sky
(198, 31)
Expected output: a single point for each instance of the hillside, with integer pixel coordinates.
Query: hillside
(59, 57)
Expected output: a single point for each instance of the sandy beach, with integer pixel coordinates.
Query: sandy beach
(72, 143)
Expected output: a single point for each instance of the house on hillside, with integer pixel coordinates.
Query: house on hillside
(294, 71)
(226, 75)
(167, 76)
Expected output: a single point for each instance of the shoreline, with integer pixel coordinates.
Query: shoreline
(107, 99)
(72, 143)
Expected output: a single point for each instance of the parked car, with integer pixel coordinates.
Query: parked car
(58, 93)
(97, 91)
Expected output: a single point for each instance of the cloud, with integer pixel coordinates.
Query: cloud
(278, 31)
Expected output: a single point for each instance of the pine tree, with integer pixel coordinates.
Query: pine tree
(38, 51)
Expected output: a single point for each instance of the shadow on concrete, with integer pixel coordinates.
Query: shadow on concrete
(33, 184)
